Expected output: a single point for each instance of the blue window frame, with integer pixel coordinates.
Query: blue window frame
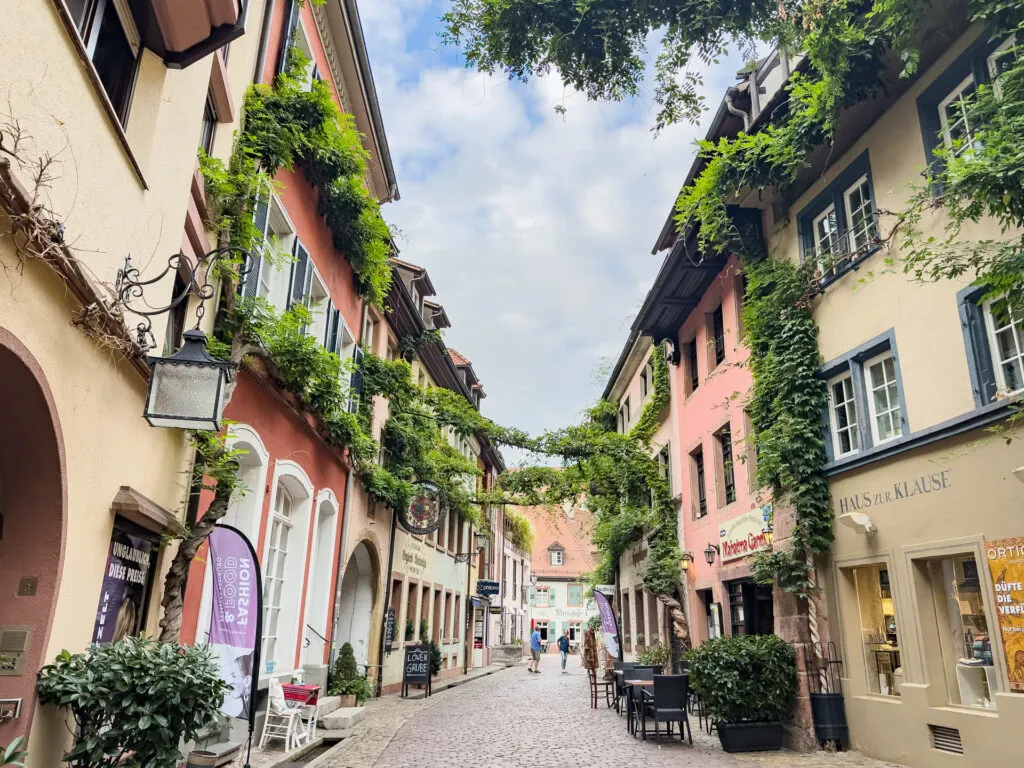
(994, 345)
(839, 227)
(940, 106)
(866, 402)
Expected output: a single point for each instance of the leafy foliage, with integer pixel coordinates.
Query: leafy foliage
(345, 677)
(744, 678)
(656, 654)
(13, 754)
(520, 531)
(435, 659)
(292, 124)
(134, 697)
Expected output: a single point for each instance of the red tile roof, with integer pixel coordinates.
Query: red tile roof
(458, 359)
(552, 526)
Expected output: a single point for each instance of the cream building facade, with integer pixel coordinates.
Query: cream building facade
(925, 496)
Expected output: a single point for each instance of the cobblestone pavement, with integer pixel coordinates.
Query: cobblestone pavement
(514, 719)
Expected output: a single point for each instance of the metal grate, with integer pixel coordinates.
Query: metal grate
(946, 739)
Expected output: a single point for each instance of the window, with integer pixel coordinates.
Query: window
(624, 416)
(542, 627)
(302, 43)
(866, 407)
(840, 225)
(691, 365)
(263, 279)
(575, 631)
(112, 43)
(318, 301)
(542, 598)
(274, 574)
(883, 398)
(1006, 345)
(879, 637)
(209, 129)
(665, 467)
(1003, 57)
(957, 131)
(963, 630)
(697, 472)
(557, 557)
(369, 327)
(737, 616)
(859, 215)
(718, 334)
(643, 383)
(728, 476)
(843, 414)
(575, 594)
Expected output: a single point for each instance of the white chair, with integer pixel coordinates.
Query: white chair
(282, 722)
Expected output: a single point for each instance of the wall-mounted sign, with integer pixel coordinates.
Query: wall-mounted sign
(487, 588)
(414, 557)
(389, 630)
(416, 668)
(124, 595)
(425, 513)
(744, 535)
(898, 491)
(1006, 563)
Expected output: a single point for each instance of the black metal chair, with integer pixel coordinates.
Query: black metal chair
(608, 686)
(633, 697)
(620, 666)
(666, 704)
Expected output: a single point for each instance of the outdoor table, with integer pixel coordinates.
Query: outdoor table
(306, 697)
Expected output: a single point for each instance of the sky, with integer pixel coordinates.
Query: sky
(536, 226)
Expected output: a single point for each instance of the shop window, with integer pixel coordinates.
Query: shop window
(727, 470)
(879, 638)
(112, 43)
(542, 597)
(737, 614)
(699, 484)
(963, 631)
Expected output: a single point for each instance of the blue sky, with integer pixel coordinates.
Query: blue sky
(536, 227)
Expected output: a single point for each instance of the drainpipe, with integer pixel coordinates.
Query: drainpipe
(387, 601)
(469, 646)
(261, 57)
(735, 110)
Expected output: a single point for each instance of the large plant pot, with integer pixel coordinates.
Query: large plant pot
(829, 713)
(348, 700)
(750, 737)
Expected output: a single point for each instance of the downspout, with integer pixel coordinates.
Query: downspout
(733, 110)
(261, 57)
(471, 619)
(387, 601)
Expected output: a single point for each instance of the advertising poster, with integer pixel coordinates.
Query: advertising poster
(126, 582)
(609, 626)
(234, 617)
(1006, 564)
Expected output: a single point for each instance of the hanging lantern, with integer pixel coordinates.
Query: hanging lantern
(186, 390)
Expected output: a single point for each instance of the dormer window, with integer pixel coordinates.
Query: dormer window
(557, 557)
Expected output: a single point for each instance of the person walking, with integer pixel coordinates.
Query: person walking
(535, 647)
(563, 646)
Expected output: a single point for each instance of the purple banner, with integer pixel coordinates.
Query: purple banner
(126, 582)
(234, 617)
(608, 625)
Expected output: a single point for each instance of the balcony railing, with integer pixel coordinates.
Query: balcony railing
(846, 249)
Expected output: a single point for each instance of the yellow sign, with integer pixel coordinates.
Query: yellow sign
(1006, 563)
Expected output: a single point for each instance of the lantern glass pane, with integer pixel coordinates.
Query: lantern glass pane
(185, 396)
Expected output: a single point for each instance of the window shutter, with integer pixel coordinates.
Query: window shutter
(533, 598)
(333, 328)
(298, 285)
(250, 284)
(551, 597)
(291, 20)
(356, 382)
(979, 354)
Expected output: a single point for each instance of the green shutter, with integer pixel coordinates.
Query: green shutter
(532, 598)
(551, 597)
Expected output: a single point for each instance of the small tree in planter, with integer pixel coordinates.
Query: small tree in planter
(435, 659)
(133, 700)
(346, 681)
(747, 683)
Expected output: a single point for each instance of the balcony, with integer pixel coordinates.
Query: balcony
(842, 251)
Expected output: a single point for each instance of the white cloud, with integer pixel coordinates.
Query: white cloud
(536, 227)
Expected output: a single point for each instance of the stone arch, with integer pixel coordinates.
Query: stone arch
(33, 503)
(357, 598)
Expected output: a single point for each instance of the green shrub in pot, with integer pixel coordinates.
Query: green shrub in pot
(656, 655)
(744, 679)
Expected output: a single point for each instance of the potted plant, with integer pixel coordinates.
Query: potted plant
(346, 682)
(409, 630)
(657, 655)
(424, 631)
(435, 659)
(747, 683)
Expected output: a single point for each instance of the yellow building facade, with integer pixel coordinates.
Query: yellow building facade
(923, 574)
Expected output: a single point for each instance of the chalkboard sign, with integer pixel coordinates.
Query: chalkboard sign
(389, 630)
(416, 669)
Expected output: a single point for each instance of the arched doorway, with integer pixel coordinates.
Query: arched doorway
(33, 501)
(355, 608)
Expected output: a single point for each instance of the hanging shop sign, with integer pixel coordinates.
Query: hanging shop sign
(487, 588)
(744, 535)
(425, 512)
(389, 630)
(124, 596)
(416, 667)
(1006, 564)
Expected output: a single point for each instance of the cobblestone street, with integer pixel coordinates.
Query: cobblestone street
(515, 719)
